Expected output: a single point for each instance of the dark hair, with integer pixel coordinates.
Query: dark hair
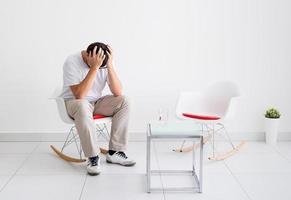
(99, 45)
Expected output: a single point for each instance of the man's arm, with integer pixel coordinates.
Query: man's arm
(94, 61)
(114, 83)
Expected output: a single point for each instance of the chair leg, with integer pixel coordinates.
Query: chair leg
(71, 137)
(103, 131)
(67, 138)
(211, 133)
(182, 145)
(81, 151)
(228, 139)
(76, 142)
(194, 146)
(212, 130)
(227, 135)
(213, 141)
(107, 132)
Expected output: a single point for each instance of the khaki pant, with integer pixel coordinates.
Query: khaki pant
(82, 111)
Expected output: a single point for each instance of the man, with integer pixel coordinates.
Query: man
(85, 75)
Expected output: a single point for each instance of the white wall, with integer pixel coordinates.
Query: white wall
(161, 47)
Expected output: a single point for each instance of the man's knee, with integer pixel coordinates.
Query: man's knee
(123, 100)
(82, 107)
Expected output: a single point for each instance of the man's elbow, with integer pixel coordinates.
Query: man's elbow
(117, 93)
(79, 95)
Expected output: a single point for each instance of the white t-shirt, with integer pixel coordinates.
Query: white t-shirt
(75, 71)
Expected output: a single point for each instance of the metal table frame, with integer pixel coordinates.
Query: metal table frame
(192, 172)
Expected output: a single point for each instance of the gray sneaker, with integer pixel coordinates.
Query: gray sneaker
(120, 158)
(93, 166)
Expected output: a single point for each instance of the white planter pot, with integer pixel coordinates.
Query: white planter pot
(271, 128)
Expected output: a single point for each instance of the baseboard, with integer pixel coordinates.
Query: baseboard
(50, 136)
(19, 136)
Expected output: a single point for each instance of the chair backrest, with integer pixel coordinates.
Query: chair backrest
(61, 106)
(214, 100)
(188, 102)
(226, 89)
(217, 97)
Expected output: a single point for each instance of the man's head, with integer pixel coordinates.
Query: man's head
(103, 47)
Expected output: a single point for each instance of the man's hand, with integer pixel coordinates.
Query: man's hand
(95, 60)
(110, 57)
(114, 83)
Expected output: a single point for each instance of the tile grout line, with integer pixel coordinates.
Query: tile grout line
(282, 155)
(83, 187)
(236, 179)
(21, 165)
(157, 160)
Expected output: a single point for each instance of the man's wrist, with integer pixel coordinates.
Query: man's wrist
(95, 68)
(110, 65)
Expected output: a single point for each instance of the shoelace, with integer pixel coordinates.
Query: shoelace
(94, 160)
(121, 154)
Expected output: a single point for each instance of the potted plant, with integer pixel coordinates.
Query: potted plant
(272, 117)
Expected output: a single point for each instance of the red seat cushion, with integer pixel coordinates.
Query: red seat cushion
(202, 117)
(98, 116)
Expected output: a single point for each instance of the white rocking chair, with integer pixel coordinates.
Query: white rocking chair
(209, 109)
(72, 137)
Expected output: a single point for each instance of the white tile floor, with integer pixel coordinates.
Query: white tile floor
(30, 170)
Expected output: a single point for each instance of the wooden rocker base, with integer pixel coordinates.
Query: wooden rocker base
(229, 153)
(216, 158)
(193, 147)
(72, 159)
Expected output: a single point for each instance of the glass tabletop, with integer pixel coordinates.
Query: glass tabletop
(174, 128)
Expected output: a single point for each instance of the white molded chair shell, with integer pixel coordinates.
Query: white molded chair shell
(61, 106)
(188, 102)
(214, 101)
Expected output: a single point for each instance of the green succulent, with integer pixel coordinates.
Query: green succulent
(272, 113)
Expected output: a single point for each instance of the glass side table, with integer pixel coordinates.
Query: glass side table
(180, 130)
